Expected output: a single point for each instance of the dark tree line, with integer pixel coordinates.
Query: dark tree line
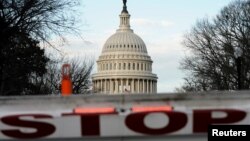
(213, 63)
(19, 56)
(24, 25)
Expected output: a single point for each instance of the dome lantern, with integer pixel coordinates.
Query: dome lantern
(124, 19)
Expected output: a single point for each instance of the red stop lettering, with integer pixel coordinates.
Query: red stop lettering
(203, 118)
(90, 125)
(135, 122)
(42, 129)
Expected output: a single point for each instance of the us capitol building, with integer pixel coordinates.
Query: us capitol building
(124, 66)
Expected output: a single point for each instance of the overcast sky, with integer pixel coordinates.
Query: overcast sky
(160, 23)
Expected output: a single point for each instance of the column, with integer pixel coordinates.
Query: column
(132, 85)
(155, 86)
(152, 86)
(110, 86)
(152, 83)
(138, 86)
(121, 85)
(93, 88)
(101, 87)
(143, 86)
(105, 86)
(127, 85)
(98, 86)
(147, 86)
(116, 86)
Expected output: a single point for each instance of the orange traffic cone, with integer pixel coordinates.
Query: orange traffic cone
(66, 86)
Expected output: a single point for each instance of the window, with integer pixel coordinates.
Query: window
(120, 67)
(133, 66)
(124, 66)
(128, 66)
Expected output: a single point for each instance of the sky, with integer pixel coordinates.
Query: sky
(160, 23)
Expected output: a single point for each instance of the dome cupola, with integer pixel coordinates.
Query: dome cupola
(125, 39)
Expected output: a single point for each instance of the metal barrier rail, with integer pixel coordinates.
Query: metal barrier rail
(121, 117)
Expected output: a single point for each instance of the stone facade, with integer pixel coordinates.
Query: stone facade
(124, 65)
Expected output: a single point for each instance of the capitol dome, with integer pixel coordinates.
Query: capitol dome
(125, 41)
(124, 65)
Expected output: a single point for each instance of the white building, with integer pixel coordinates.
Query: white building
(124, 65)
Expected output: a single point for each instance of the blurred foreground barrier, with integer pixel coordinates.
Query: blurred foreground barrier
(121, 117)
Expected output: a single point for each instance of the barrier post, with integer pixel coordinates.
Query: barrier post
(66, 85)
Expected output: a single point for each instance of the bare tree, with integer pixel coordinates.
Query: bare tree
(80, 74)
(24, 24)
(213, 44)
(39, 18)
(50, 82)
